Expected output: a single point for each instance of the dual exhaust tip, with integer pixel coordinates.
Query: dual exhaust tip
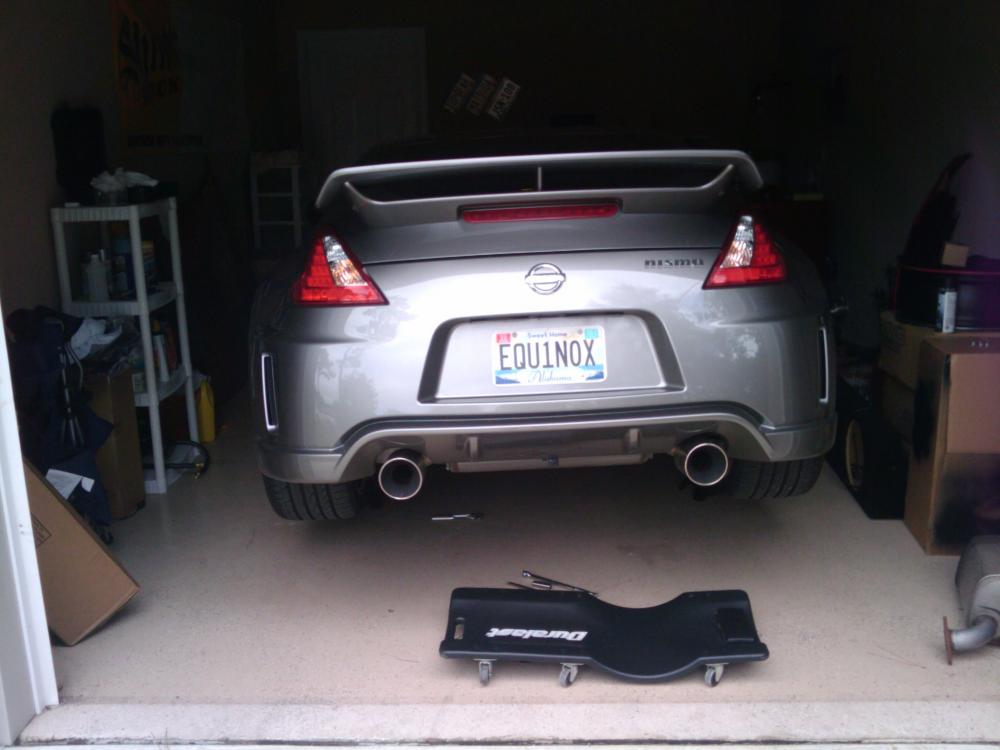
(401, 475)
(703, 460)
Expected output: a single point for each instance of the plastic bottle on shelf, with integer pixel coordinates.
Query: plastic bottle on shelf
(96, 275)
(121, 267)
(137, 364)
(206, 411)
(149, 262)
(946, 307)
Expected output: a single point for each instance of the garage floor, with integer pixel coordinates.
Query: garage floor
(239, 609)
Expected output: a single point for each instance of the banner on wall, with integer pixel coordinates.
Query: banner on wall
(148, 73)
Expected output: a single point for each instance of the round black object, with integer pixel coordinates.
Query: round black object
(978, 307)
(868, 456)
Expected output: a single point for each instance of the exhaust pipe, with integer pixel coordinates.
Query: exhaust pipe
(978, 583)
(703, 460)
(401, 475)
(981, 631)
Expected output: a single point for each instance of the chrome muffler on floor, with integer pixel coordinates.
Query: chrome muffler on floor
(978, 582)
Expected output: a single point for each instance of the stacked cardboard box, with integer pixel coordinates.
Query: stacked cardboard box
(119, 459)
(899, 361)
(953, 486)
(941, 394)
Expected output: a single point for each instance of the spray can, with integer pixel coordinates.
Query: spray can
(123, 278)
(947, 303)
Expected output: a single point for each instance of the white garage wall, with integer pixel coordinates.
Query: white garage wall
(50, 56)
(922, 84)
(65, 55)
(27, 679)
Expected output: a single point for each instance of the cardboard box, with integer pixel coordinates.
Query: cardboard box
(954, 255)
(119, 459)
(954, 469)
(82, 583)
(896, 404)
(900, 348)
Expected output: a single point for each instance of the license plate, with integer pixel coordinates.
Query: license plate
(550, 356)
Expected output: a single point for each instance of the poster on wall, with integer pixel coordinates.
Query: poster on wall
(148, 74)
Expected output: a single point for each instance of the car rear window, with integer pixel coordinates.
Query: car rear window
(442, 184)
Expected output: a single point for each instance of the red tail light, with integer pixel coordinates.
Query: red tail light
(749, 257)
(540, 213)
(333, 276)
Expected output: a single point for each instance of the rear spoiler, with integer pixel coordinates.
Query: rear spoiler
(732, 166)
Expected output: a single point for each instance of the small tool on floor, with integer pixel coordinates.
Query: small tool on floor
(542, 583)
(458, 517)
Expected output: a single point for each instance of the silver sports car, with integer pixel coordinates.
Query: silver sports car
(539, 311)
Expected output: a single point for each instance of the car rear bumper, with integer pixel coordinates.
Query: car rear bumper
(494, 443)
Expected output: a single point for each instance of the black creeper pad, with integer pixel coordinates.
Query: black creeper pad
(651, 644)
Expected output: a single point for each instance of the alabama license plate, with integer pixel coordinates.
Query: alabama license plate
(550, 356)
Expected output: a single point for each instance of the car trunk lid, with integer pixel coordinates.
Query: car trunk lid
(459, 239)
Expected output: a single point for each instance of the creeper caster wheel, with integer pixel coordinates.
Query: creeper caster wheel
(713, 674)
(568, 674)
(485, 671)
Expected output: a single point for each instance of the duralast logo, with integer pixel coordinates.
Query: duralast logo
(566, 635)
(673, 262)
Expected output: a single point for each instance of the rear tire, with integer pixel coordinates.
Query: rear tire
(313, 502)
(870, 459)
(756, 480)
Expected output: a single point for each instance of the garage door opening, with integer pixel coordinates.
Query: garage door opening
(538, 330)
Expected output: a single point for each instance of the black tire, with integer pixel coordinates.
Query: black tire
(756, 480)
(313, 502)
(870, 459)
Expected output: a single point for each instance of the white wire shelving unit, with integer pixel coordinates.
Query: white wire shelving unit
(145, 303)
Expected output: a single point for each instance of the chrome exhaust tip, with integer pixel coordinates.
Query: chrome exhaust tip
(401, 476)
(703, 461)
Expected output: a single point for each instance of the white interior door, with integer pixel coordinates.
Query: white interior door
(357, 89)
(27, 679)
